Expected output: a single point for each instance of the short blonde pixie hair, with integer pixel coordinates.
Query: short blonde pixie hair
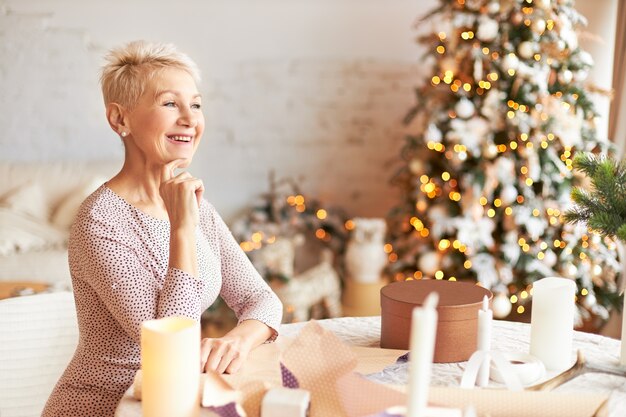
(128, 69)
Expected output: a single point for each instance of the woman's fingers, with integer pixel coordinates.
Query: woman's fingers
(220, 355)
(167, 172)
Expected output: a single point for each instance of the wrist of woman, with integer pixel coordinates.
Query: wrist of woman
(183, 250)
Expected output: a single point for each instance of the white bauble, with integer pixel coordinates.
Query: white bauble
(565, 77)
(570, 37)
(585, 58)
(487, 29)
(510, 61)
(433, 133)
(526, 49)
(545, 3)
(539, 26)
(464, 108)
(581, 75)
(508, 194)
(429, 263)
(590, 300)
(490, 151)
(493, 7)
(501, 306)
(550, 258)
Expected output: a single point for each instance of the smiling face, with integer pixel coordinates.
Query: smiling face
(167, 123)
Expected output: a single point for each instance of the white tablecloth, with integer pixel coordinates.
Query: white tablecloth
(506, 337)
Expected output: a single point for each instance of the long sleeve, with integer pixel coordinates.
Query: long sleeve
(112, 258)
(243, 288)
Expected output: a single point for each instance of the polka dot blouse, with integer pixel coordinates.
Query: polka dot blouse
(118, 258)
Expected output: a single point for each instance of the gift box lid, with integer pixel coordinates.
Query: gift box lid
(457, 300)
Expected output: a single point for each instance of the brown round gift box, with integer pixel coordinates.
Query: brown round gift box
(457, 310)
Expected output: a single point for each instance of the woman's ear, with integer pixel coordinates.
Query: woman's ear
(116, 115)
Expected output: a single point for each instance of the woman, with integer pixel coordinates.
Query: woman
(146, 244)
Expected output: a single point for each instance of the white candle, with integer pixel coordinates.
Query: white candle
(623, 351)
(170, 363)
(422, 348)
(552, 322)
(485, 316)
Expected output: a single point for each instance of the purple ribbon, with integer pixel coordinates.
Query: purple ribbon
(404, 358)
(289, 379)
(228, 410)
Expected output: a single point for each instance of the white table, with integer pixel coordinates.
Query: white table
(507, 336)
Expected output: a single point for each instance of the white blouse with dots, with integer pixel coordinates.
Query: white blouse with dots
(118, 258)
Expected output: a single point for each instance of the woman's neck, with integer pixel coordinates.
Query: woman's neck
(140, 188)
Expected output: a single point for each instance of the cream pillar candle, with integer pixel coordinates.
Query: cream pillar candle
(552, 322)
(422, 348)
(485, 317)
(622, 359)
(170, 363)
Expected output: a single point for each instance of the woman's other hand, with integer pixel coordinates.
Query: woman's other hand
(223, 355)
(229, 353)
(181, 195)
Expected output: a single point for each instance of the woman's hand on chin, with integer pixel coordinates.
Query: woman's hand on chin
(223, 355)
(181, 194)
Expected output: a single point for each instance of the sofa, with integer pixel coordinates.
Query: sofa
(38, 203)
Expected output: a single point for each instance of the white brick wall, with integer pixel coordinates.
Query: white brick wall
(311, 89)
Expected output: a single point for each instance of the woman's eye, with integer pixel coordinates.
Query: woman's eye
(169, 104)
(196, 106)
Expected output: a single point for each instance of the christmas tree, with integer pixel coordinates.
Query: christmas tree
(487, 166)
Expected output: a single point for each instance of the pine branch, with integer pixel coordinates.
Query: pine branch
(604, 207)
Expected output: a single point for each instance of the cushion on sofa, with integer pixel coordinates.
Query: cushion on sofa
(21, 232)
(64, 214)
(27, 199)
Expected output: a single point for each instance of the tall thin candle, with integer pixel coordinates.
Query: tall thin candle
(485, 317)
(422, 348)
(170, 362)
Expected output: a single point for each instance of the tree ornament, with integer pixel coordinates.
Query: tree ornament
(464, 108)
(429, 263)
(590, 300)
(433, 134)
(526, 49)
(501, 305)
(517, 18)
(510, 62)
(565, 76)
(490, 151)
(487, 29)
(493, 7)
(539, 26)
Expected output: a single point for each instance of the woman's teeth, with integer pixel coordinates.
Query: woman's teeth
(181, 138)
